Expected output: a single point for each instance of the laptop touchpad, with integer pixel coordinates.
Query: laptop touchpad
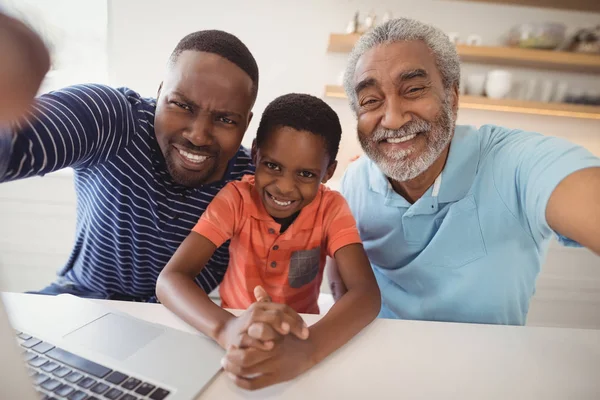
(114, 335)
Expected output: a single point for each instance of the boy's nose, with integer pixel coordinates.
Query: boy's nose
(285, 187)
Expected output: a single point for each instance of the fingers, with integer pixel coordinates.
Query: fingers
(281, 317)
(239, 361)
(250, 369)
(261, 295)
(255, 383)
(259, 312)
(246, 341)
(263, 332)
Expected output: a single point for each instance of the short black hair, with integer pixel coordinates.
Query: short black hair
(302, 112)
(223, 44)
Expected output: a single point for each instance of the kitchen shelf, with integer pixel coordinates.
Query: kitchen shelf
(508, 56)
(508, 105)
(579, 5)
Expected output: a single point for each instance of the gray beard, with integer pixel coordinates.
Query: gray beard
(398, 166)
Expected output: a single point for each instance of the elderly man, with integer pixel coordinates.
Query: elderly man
(456, 220)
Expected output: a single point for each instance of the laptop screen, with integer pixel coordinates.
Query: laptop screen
(14, 381)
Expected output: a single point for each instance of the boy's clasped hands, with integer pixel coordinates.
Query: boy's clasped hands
(268, 343)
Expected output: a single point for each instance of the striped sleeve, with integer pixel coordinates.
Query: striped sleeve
(218, 222)
(75, 127)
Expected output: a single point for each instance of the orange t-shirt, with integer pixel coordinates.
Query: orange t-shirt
(289, 265)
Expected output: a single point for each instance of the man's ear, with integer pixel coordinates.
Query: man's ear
(330, 171)
(455, 99)
(253, 151)
(249, 119)
(158, 91)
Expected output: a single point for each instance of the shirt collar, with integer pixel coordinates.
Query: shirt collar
(458, 174)
(461, 166)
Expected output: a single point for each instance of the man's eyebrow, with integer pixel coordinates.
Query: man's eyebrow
(408, 75)
(196, 106)
(364, 84)
(185, 99)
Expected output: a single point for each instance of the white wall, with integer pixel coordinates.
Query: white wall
(289, 41)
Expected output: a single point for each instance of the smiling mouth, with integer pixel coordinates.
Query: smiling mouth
(191, 157)
(401, 139)
(397, 140)
(279, 202)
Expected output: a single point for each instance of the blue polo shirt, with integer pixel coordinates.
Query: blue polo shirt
(469, 250)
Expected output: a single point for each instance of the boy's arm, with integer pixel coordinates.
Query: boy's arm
(254, 369)
(336, 283)
(177, 290)
(355, 309)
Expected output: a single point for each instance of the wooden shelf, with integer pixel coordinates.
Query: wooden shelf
(579, 5)
(342, 42)
(555, 60)
(512, 56)
(508, 105)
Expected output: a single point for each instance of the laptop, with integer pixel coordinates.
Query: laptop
(82, 350)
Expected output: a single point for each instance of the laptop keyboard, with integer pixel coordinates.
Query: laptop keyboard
(58, 374)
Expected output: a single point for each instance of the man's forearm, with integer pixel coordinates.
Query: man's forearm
(574, 208)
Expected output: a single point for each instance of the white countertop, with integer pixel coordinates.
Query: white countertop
(430, 360)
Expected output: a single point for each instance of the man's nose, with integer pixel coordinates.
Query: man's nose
(395, 114)
(200, 131)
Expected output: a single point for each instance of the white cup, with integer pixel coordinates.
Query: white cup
(474, 40)
(475, 84)
(498, 84)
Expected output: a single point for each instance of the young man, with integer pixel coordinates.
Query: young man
(144, 168)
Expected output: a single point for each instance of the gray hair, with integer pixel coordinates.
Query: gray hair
(399, 30)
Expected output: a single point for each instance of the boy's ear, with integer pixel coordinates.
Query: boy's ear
(330, 171)
(253, 151)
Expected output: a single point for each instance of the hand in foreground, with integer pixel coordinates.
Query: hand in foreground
(25, 61)
(253, 368)
(261, 324)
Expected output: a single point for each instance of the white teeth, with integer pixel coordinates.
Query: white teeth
(281, 203)
(192, 157)
(401, 139)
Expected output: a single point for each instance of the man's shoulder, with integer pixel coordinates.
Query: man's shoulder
(356, 178)
(241, 165)
(358, 169)
(119, 99)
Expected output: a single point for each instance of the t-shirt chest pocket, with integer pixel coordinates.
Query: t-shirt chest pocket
(304, 267)
(458, 240)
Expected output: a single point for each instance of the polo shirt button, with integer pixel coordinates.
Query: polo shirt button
(275, 247)
(273, 264)
(271, 231)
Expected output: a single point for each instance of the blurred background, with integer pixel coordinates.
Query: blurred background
(534, 65)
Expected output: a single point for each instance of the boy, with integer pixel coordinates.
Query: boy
(282, 223)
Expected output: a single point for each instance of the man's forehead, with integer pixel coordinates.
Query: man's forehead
(197, 74)
(395, 58)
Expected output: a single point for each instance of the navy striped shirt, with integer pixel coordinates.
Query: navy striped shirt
(131, 215)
